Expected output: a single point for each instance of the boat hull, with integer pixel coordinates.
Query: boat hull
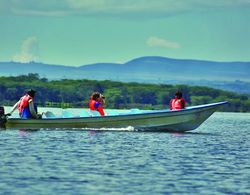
(163, 120)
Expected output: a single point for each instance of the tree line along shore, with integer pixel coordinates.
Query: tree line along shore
(67, 93)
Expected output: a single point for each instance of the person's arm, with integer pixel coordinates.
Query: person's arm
(183, 103)
(32, 110)
(101, 111)
(14, 107)
(102, 101)
(170, 104)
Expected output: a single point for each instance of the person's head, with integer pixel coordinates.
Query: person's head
(31, 92)
(178, 94)
(97, 96)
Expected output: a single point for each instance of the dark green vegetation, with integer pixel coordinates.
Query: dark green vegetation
(75, 93)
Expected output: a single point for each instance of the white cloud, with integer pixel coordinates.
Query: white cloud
(78, 4)
(29, 51)
(149, 8)
(159, 42)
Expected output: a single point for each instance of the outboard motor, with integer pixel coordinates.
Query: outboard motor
(3, 119)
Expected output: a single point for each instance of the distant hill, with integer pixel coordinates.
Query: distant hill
(151, 69)
(44, 70)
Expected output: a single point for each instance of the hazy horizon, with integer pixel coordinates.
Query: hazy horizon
(39, 62)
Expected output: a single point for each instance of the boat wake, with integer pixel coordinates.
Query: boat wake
(129, 128)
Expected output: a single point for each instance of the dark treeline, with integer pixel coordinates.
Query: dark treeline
(76, 93)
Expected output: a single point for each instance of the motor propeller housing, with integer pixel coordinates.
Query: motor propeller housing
(3, 119)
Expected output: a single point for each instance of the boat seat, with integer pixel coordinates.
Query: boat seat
(135, 111)
(49, 114)
(94, 113)
(84, 113)
(112, 113)
(67, 114)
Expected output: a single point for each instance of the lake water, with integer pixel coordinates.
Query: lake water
(213, 159)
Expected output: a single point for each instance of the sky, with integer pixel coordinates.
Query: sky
(79, 32)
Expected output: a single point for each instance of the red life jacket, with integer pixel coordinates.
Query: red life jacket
(92, 105)
(24, 102)
(177, 104)
(99, 109)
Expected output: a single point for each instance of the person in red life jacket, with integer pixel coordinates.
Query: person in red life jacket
(97, 102)
(178, 102)
(26, 106)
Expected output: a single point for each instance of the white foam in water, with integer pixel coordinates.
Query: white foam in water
(129, 128)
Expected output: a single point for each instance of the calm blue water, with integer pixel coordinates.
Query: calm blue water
(214, 159)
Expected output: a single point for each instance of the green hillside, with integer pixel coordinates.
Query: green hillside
(119, 95)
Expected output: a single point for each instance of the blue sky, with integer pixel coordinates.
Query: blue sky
(78, 32)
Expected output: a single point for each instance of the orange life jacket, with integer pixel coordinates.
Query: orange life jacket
(177, 104)
(99, 108)
(24, 102)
